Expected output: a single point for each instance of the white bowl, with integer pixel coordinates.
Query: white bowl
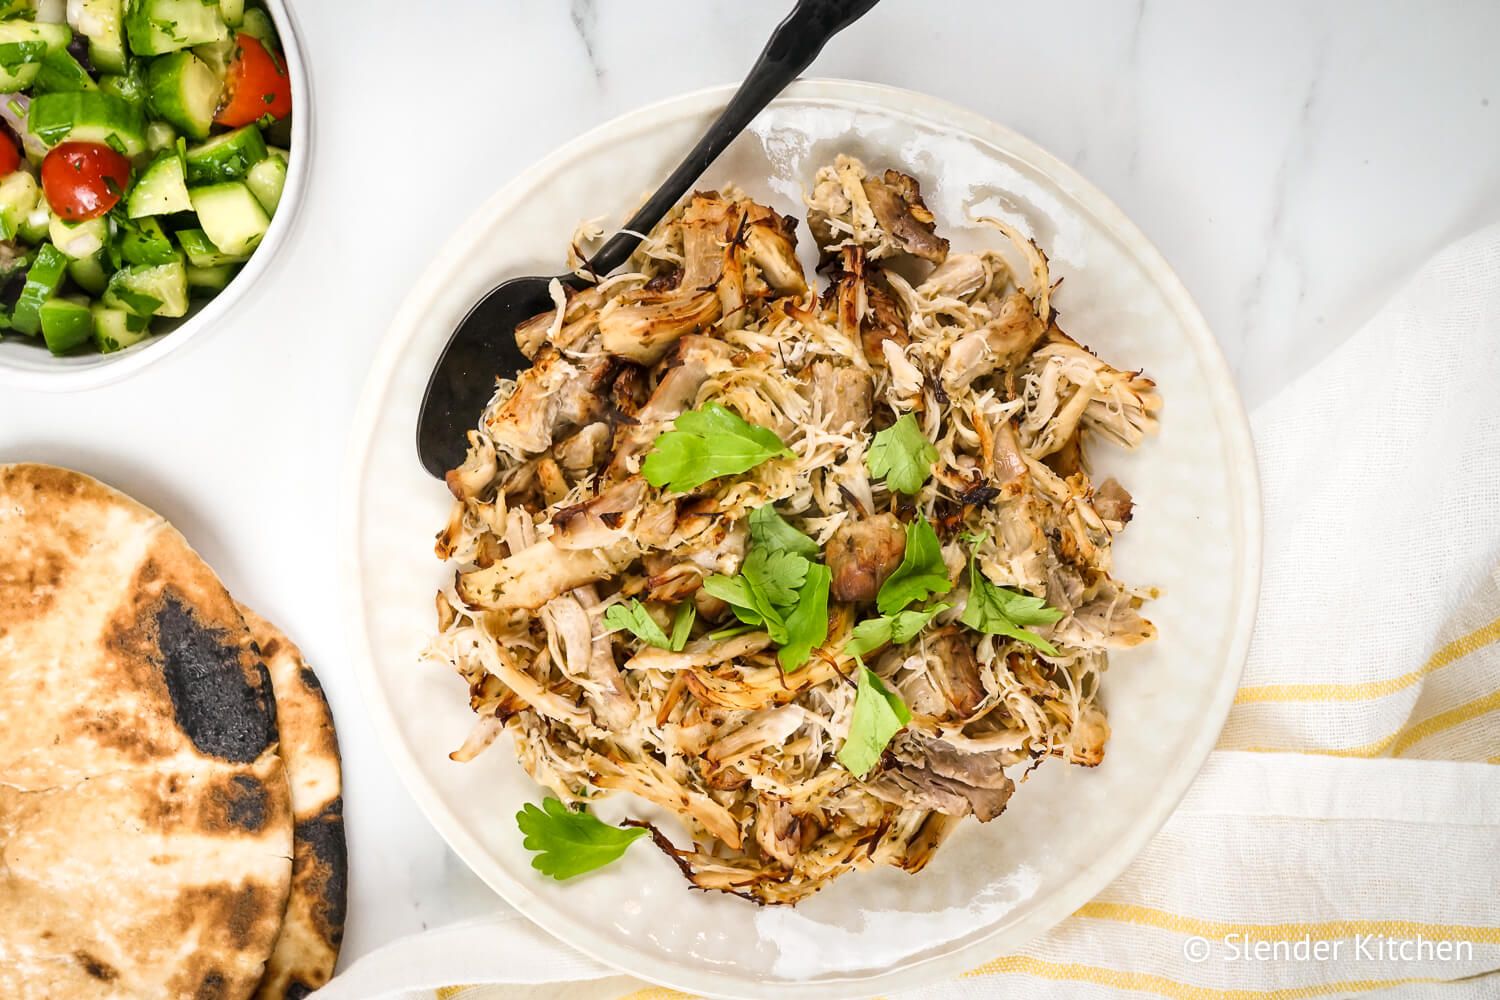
(1068, 831)
(26, 364)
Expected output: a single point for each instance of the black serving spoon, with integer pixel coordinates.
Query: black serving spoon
(484, 345)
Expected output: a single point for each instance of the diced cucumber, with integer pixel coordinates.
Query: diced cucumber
(149, 289)
(66, 324)
(18, 198)
(13, 81)
(160, 136)
(266, 180)
(156, 27)
(233, 12)
(117, 329)
(226, 157)
(23, 46)
(231, 216)
(201, 251)
(80, 239)
(142, 241)
(61, 72)
(42, 281)
(36, 228)
(24, 42)
(100, 21)
(210, 281)
(257, 24)
(89, 274)
(218, 54)
(185, 92)
(161, 189)
(17, 264)
(88, 116)
(128, 85)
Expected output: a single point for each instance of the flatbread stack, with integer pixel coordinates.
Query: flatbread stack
(150, 839)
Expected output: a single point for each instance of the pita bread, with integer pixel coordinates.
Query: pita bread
(145, 816)
(308, 947)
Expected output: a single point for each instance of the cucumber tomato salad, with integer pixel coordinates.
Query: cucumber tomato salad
(141, 159)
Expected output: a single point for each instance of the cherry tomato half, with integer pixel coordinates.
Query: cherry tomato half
(83, 180)
(256, 85)
(10, 157)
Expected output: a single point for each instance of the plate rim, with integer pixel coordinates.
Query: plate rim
(1088, 881)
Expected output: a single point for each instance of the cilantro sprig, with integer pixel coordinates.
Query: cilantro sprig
(879, 714)
(921, 574)
(571, 842)
(769, 529)
(707, 444)
(902, 455)
(635, 619)
(1004, 611)
(779, 588)
(898, 628)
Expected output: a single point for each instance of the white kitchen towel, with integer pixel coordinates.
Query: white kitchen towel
(1345, 838)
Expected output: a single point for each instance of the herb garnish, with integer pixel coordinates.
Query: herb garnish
(879, 714)
(903, 455)
(707, 444)
(921, 574)
(635, 619)
(779, 588)
(1000, 610)
(571, 843)
(897, 629)
(682, 625)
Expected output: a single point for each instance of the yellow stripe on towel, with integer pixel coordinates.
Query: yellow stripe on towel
(1374, 749)
(1321, 931)
(1455, 650)
(1144, 982)
(1444, 721)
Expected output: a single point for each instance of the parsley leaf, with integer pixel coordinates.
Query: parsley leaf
(707, 444)
(682, 625)
(921, 574)
(770, 530)
(898, 628)
(765, 590)
(735, 591)
(807, 625)
(719, 635)
(634, 618)
(1003, 610)
(775, 577)
(879, 714)
(903, 455)
(779, 588)
(571, 843)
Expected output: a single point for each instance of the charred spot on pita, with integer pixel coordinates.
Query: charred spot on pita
(212, 987)
(98, 968)
(214, 703)
(327, 856)
(245, 802)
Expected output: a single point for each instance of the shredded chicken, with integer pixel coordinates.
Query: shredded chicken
(553, 522)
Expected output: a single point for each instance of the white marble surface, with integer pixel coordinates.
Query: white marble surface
(1291, 160)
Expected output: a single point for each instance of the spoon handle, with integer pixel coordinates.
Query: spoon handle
(794, 44)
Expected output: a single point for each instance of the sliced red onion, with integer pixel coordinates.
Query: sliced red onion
(13, 110)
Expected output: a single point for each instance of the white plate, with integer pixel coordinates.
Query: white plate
(1068, 831)
(26, 364)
